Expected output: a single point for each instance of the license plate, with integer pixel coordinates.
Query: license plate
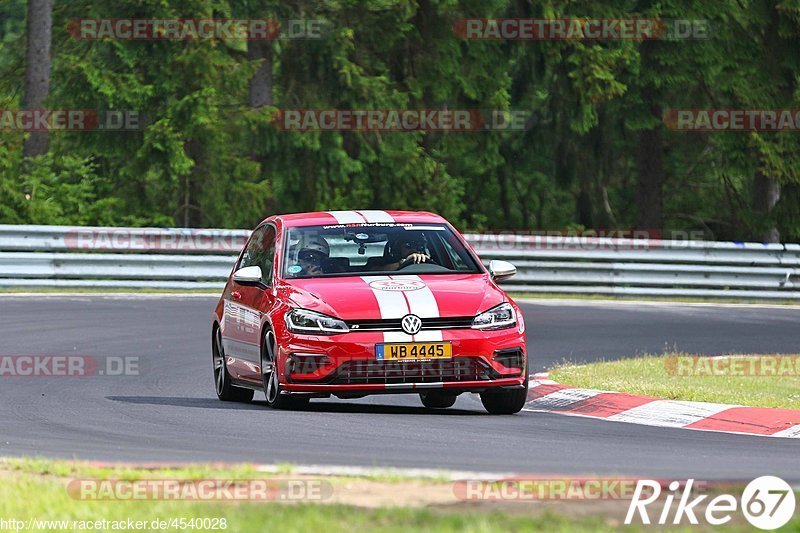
(413, 351)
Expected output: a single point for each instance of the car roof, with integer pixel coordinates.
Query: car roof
(326, 218)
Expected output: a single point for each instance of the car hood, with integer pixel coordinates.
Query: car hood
(376, 297)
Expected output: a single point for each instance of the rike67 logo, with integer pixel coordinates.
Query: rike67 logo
(767, 502)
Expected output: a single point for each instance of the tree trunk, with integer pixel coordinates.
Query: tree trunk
(584, 204)
(649, 188)
(261, 82)
(37, 73)
(766, 189)
(260, 95)
(505, 206)
(650, 156)
(424, 20)
(192, 214)
(766, 193)
(602, 153)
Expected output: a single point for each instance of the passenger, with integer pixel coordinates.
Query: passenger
(314, 253)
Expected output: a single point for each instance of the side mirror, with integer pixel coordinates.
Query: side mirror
(501, 269)
(248, 276)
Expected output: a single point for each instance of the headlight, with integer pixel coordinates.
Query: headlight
(500, 317)
(312, 323)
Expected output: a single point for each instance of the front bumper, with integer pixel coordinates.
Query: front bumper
(394, 388)
(481, 361)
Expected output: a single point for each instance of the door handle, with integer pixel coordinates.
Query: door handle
(236, 295)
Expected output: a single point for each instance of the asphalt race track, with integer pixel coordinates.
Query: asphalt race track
(169, 412)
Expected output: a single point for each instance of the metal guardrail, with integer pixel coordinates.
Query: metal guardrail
(167, 258)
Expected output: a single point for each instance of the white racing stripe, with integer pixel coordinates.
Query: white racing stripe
(391, 304)
(360, 217)
(397, 304)
(422, 303)
(376, 216)
(347, 217)
(397, 336)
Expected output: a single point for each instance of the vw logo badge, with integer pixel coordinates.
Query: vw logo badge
(411, 324)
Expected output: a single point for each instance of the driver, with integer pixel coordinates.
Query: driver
(311, 256)
(407, 250)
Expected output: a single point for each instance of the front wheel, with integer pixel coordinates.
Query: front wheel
(271, 380)
(506, 402)
(437, 400)
(222, 380)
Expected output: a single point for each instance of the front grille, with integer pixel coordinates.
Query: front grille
(393, 324)
(370, 371)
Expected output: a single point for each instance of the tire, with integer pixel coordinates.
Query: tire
(222, 380)
(506, 402)
(271, 380)
(437, 400)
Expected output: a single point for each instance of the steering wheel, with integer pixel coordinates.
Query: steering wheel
(406, 262)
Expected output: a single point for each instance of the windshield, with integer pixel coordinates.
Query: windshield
(359, 249)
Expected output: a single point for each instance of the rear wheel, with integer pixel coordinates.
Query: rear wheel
(222, 380)
(506, 402)
(437, 400)
(271, 380)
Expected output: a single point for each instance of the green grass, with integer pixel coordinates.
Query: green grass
(72, 469)
(36, 488)
(649, 376)
(78, 469)
(47, 500)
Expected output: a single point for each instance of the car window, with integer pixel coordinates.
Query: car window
(456, 258)
(260, 251)
(359, 249)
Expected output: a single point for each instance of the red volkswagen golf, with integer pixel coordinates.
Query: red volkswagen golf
(351, 303)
